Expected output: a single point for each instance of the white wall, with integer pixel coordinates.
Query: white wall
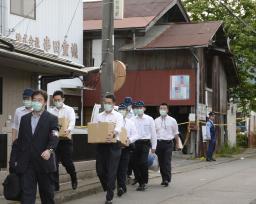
(97, 52)
(52, 19)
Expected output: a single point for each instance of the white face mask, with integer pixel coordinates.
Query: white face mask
(123, 112)
(27, 103)
(37, 106)
(108, 107)
(140, 112)
(163, 112)
(58, 104)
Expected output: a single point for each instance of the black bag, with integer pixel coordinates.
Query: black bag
(12, 187)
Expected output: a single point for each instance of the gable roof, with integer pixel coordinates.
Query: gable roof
(177, 36)
(137, 13)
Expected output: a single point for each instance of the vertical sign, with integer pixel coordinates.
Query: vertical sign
(118, 9)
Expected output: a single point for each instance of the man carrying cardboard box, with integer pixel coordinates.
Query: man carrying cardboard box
(108, 154)
(67, 119)
(125, 155)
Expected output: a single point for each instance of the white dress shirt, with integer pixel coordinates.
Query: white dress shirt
(112, 117)
(68, 113)
(130, 127)
(130, 114)
(146, 129)
(166, 128)
(19, 112)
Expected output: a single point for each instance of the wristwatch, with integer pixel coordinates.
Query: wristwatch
(51, 150)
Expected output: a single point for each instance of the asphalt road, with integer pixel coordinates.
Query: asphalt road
(227, 183)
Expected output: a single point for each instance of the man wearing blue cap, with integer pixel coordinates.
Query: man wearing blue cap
(21, 111)
(132, 135)
(146, 139)
(210, 131)
(128, 102)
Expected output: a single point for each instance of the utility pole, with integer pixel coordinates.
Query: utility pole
(107, 76)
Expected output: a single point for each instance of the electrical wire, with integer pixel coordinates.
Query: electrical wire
(74, 14)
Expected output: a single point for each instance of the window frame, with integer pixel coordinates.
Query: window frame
(17, 14)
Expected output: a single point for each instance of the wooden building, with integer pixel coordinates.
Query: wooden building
(168, 59)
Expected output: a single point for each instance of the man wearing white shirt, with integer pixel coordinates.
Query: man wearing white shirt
(146, 139)
(21, 111)
(67, 119)
(166, 130)
(108, 154)
(125, 155)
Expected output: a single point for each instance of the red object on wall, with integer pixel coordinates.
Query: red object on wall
(151, 86)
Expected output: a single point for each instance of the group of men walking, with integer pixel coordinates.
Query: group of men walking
(42, 139)
(144, 134)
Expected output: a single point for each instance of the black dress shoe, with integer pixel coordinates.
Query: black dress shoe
(141, 188)
(108, 202)
(209, 160)
(74, 182)
(120, 192)
(165, 183)
(213, 159)
(162, 184)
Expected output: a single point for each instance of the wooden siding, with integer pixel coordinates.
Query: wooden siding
(158, 60)
(13, 85)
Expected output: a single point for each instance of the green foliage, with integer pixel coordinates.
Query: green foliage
(228, 150)
(241, 140)
(239, 17)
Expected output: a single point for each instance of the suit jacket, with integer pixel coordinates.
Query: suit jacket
(28, 148)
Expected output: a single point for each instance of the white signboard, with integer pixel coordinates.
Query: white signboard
(179, 87)
(202, 111)
(118, 9)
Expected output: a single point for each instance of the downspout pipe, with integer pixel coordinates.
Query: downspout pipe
(195, 56)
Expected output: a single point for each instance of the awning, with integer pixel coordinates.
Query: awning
(15, 55)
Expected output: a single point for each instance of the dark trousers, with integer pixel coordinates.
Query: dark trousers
(122, 168)
(141, 161)
(29, 181)
(164, 153)
(131, 160)
(211, 149)
(64, 154)
(107, 161)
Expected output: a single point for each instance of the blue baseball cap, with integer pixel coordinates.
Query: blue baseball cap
(128, 101)
(122, 106)
(140, 104)
(28, 92)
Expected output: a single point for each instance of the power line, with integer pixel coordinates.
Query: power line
(237, 17)
(66, 35)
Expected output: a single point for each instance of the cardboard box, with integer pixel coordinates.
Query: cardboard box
(98, 132)
(63, 124)
(123, 137)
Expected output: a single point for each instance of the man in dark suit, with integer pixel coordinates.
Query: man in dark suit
(33, 155)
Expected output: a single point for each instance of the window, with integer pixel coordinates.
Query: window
(24, 8)
(1, 95)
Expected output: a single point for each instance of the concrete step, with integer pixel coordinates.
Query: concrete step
(85, 187)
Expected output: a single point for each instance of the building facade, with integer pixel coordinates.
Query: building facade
(168, 59)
